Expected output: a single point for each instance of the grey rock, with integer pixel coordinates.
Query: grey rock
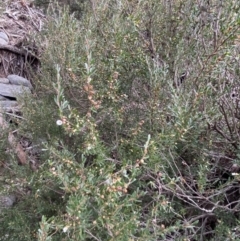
(18, 80)
(12, 110)
(7, 201)
(13, 90)
(2, 98)
(8, 104)
(3, 42)
(4, 80)
(4, 36)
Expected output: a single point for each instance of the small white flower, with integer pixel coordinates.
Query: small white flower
(109, 181)
(89, 147)
(65, 229)
(59, 122)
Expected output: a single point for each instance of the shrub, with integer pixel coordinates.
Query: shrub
(147, 137)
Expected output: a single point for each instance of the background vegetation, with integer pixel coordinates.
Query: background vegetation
(146, 94)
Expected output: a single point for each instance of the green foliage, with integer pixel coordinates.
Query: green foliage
(130, 152)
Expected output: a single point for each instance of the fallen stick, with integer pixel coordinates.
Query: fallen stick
(16, 50)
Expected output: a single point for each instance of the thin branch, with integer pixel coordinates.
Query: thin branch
(88, 232)
(16, 50)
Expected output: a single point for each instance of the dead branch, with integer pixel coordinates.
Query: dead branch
(16, 50)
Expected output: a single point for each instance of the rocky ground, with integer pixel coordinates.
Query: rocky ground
(18, 55)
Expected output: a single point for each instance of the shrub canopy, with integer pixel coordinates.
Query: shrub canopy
(136, 110)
